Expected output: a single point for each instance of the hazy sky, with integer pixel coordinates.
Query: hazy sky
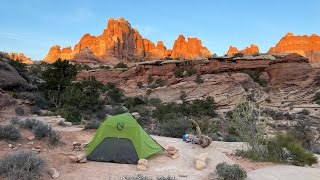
(33, 26)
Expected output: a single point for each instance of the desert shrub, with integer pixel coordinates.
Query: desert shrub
(115, 94)
(199, 107)
(22, 164)
(179, 73)
(317, 98)
(94, 124)
(136, 177)
(305, 112)
(230, 172)
(231, 138)
(154, 102)
(255, 75)
(54, 137)
(296, 154)
(166, 178)
(248, 126)
(199, 80)
(121, 65)
(19, 111)
(150, 79)
(114, 110)
(140, 85)
(160, 82)
(191, 71)
(238, 55)
(282, 149)
(174, 127)
(134, 101)
(28, 123)
(10, 132)
(41, 130)
(15, 121)
(35, 110)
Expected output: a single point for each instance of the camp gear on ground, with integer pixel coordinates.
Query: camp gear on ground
(120, 139)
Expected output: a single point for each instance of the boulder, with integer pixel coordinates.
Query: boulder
(136, 115)
(143, 162)
(81, 156)
(83, 160)
(30, 138)
(11, 79)
(76, 144)
(200, 165)
(141, 168)
(54, 172)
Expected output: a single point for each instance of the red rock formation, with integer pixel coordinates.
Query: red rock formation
(308, 46)
(53, 55)
(191, 49)
(248, 50)
(120, 41)
(21, 57)
(232, 50)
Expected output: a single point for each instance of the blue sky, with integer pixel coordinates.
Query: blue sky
(33, 26)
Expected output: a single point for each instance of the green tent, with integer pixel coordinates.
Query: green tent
(120, 139)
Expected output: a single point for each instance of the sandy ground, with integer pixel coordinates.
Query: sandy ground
(159, 165)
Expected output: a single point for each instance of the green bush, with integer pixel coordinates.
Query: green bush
(22, 164)
(174, 127)
(94, 124)
(19, 111)
(160, 82)
(191, 71)
(199, 80)
(10, 132)
(179, 73)
(54, 137)
(150, 79)
(28, 123)
(41, 130)
(230, 172)
(282, 149)
(121, 65)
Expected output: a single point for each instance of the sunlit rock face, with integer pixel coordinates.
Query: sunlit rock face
(20, 56)
(120, 41)
(190, 49)
(308, 46)
(248, 50)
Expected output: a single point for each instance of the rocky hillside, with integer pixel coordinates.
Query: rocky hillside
(281, 83)
(308, 46)
(120, 41)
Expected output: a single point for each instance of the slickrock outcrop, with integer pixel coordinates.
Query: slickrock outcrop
(120, 41)
(85, 57)
(20, 56)
(308, 46)
(248, 50)
(191, 49)
(11, 79)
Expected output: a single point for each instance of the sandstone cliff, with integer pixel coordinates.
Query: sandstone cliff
(120, 41)
(20, 56)
(248, 50)
(191, 49)
(308, 46)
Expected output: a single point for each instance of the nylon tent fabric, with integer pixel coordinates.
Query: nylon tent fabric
(125, 126)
